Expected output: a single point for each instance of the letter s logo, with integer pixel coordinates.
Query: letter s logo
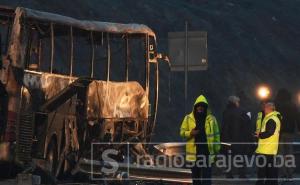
(110, 165)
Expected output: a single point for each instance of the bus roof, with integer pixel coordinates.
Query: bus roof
(96, 26)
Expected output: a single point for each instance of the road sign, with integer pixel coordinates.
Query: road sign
(196, 47)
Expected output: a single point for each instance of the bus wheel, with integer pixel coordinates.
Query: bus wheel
(52, 158)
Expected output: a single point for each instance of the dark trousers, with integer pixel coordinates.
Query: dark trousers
(286, 148)
(241, 171)
(267, 172)
(202, 174)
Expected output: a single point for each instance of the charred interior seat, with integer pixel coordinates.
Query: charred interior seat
(121, 106)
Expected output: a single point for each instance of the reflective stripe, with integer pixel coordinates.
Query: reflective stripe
(190, 153)
(212, 135)
(259, 121)
(187, 134)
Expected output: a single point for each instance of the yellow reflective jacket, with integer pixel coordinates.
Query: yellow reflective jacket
(259, 120)
(269, 145)
(211, 130)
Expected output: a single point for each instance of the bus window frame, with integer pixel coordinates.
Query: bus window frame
(127, 58)
(8, 22)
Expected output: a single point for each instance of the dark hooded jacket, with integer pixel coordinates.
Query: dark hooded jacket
(237, 128)
(288, 111)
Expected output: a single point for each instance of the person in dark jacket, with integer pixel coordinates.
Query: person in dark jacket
(290, 119)
(236, 128)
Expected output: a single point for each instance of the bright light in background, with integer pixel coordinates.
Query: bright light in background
(298, 98)
(263, 92)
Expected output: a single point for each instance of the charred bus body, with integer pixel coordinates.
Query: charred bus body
(69, 82)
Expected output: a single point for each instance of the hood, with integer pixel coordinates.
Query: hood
(200, 99)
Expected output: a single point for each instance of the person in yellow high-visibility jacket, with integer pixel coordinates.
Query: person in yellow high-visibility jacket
(201, 131)
(267, 149)
(261, 115)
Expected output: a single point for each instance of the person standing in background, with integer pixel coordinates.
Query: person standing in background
(236, 128)
(290, 120)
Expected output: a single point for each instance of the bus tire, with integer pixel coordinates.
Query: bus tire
(52, 158)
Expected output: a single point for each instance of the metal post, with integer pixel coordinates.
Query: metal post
(147, 63)
(72, 51)
(127, 57)
(186, 61)
(52, 47)
(155, 100)
(108, 58)
(40, 54)
(93, 55)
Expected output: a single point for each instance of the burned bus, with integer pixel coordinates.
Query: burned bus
(67, 82)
